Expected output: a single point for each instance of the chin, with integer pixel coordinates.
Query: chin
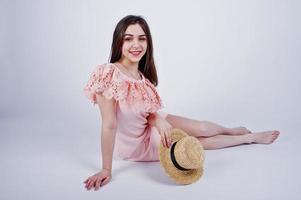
(134, 60)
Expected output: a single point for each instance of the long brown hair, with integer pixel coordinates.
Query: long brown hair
(146, 64)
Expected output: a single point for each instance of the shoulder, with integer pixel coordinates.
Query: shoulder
(107, 72)
(105, 67)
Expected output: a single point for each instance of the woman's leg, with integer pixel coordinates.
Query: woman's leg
(214, 136)
(222, 141)
(202, 128)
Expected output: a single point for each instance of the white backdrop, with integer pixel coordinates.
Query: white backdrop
(226, 61)
(231, 62)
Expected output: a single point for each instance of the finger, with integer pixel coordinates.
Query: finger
(88, 182)
(88, 186)
(94, 184)
(91, 184)
(89, 178)
(162, 139)
(105, 181)
(97, 184)
(168, 138)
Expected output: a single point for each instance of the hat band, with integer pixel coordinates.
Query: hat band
(173, 158)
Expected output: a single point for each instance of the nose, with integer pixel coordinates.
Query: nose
(136, 43)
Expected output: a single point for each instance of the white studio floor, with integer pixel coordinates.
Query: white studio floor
(43, 159)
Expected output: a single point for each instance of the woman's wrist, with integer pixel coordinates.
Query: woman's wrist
(107, 169)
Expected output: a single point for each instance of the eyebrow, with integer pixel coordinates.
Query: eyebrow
(127, 34)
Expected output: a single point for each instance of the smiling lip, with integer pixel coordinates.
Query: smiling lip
(135, 53)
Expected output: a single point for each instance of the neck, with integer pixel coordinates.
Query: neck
(131, 66)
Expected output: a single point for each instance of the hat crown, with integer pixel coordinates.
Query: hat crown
(169, 158)
(189, 153)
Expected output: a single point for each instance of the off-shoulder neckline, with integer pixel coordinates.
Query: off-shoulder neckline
(128, 77)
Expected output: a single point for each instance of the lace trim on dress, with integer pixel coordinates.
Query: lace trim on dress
(137, 95)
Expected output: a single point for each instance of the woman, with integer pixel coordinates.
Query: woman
(132, 126)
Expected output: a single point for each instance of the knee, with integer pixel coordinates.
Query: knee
(204, 129)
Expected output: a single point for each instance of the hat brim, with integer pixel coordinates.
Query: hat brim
(179, 176)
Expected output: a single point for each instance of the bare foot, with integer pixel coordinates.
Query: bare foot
(239, 131)
(266, 137)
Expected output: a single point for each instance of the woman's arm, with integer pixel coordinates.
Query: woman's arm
(163, 127)
(108, 129)
(108, 132)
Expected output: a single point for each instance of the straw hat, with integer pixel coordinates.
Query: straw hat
(183, 161)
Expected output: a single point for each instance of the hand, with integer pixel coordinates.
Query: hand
(99, 179)
(164, 129)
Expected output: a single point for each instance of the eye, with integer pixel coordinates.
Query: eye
(127, 39)
(142, 39)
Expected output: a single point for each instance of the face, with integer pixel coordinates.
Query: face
(134, 43)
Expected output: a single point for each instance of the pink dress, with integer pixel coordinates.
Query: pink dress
(136, 139)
